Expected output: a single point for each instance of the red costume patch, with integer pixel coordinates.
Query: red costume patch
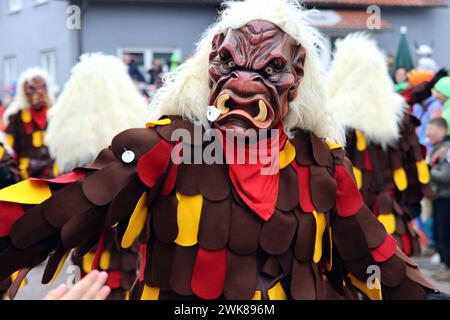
(208, 277)
(154, 163)
(348, 198)
(304, 187)
(385, 250)
(9, 213)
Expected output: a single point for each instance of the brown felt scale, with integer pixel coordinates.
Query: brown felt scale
(196, 236)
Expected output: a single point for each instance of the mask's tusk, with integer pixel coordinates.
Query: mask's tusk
(221, 103)
(262, 115)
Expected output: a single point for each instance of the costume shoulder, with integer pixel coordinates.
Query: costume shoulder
(44, 216)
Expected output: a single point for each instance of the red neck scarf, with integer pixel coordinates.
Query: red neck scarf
(256, 177)
(40, 117)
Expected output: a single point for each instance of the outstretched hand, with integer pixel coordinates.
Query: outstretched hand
(91, 287)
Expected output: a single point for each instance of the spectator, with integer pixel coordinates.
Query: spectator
(155, 72)
(133, 70)
(441, 91)
(440, 181)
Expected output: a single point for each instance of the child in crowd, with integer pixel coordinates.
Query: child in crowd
(440, 181)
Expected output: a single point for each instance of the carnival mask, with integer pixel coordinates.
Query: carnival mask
(36, 92)
(254, 73)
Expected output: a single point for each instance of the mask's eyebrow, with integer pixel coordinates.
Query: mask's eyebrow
(264, 61)
(233, 53)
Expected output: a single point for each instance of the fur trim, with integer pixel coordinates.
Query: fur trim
(185, 91)
(361, 92)
(99, 101)
(20, 101)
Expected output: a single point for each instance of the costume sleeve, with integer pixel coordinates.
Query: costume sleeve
(50, 217)
(364, 253)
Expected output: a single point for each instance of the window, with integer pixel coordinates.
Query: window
(10, 71)
(48, 63)
(144, 58)
(14, 6)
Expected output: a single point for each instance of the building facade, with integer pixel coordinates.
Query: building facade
(41, 32)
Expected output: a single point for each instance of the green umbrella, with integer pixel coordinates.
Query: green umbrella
(403, 58)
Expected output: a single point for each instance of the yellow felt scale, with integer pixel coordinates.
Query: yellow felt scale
(87, 262)
(150, 293)
(10, 140)
(423, 173)
(400, 179)
(136, 223)
(372, 294)
(25, 115)
(358, 177)
(287, 155)
(161, 122)
(105, 260)
(321, 224)
(23, 167)
(37, 139)
(26, 192)
(277, 292)
(333, 145)
(188, 218)
(388, 220)
(257, 295)
(360, 141)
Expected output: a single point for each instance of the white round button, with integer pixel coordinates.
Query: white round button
(213, 113)
(128, 156)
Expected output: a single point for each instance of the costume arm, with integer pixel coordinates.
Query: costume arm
(72, 211)
(365, 253)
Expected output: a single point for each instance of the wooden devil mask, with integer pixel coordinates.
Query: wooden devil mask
(254, 73)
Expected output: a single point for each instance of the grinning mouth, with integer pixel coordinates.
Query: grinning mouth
(253, 112)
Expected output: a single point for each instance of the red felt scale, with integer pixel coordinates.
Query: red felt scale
(142, 260)
(169, 184)
(209, 272)
(348, 198)
(10, 212)
(406, 242)
(98, 252)
(367, 162)
(304, 183)
(114, 277)
(385, 250)
(62, 179)
(154, 163)
(28, 127)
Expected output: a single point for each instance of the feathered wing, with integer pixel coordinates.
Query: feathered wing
(198, 238)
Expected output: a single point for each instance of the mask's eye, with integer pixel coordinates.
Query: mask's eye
(269, 70)
(231, 64)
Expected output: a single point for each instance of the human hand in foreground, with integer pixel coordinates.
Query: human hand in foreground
(91, 287)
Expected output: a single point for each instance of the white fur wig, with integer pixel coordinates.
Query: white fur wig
(360, 91)
(99, 101)
(185, 91)
(20, 101)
